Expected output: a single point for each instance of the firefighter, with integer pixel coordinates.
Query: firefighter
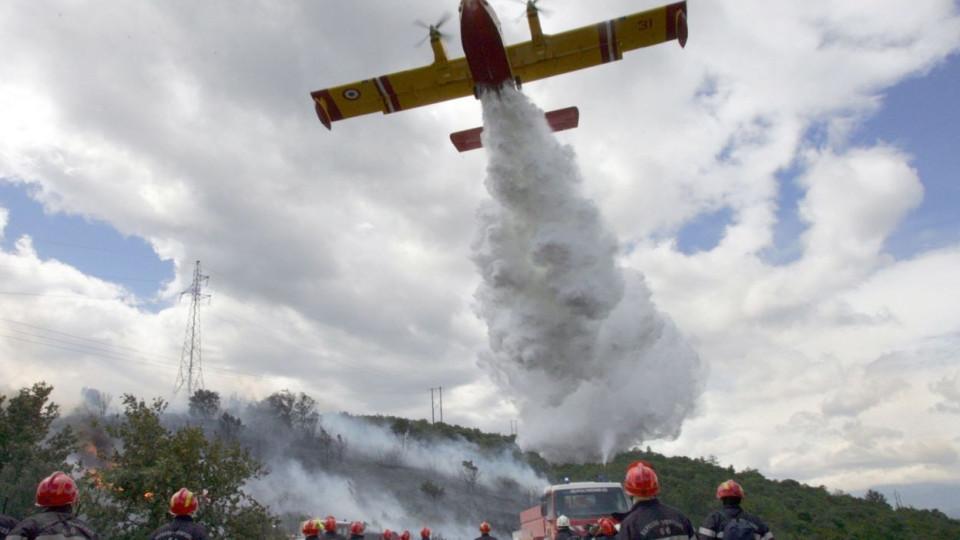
(330, 529)
(425, 533)
(56, 494)
(563, 529)
(183, 505)
(485, 532)
(387, 534)
(604, 528)
(649, 519)
(311, 529)
(356, 530)
(731, 521)
(405, 535)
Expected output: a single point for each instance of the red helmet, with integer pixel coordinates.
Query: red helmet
(484, 527)
(641, 481)
(311, 527)
(183, 502)
(387, 534)
(330, 523)
(357, 528)
(405, 535)
(729, 489)
(608, 527)
(425, 532)
(58, 489)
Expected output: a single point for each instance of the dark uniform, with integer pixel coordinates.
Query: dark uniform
(7, 523)
(564, 533)
(650, 520)
(332, 535)
(181, 527)
(485, 536)
(53, 521)
(356, 537)
(713, 524)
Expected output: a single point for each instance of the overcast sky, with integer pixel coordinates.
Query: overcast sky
(786, 186)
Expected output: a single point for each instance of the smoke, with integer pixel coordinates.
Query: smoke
(379, 475)
(592, 366)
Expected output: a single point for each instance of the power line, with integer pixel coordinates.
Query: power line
(75, 297)
(102, 277)
(97, 342)
(92, 248)
(106, 350)
(103, 349)
(133, 359)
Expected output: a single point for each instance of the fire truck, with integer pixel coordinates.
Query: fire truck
(582, 502)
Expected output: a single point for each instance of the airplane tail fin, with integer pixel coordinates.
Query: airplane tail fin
(320, 106)
(558, 120)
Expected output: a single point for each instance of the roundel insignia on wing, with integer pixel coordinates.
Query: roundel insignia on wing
(351, 94)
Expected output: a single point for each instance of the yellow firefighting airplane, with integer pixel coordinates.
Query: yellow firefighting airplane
(488, 64)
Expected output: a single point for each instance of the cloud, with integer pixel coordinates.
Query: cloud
(949, 391)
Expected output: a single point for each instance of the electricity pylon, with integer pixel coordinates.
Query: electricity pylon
(191, 372)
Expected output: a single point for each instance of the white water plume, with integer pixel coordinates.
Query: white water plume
(592, 366)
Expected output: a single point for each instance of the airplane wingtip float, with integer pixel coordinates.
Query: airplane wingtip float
(488, 64)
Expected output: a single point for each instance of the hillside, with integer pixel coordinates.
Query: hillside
(793, 510)
(395, 473)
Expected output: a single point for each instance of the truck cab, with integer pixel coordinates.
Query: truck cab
(583, 502)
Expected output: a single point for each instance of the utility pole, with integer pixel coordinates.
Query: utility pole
(514, 424)
(191, 371)
(433, 405)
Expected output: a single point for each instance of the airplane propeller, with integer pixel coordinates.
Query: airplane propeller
(434, 29)
(531, 4)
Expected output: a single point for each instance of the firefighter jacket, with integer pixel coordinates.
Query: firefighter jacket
(651, 520)
(7, 523)
(332, 535)
(564, 533)
(181, 528)
(485, 536)
(713, 524)
(56, 522)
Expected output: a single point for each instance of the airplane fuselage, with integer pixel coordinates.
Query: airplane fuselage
(483, 46)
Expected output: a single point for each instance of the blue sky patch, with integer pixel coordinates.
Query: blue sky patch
(922, 117)
(94, 248)
(704, 232)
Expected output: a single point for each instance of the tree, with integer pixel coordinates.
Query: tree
(305, 416)
(432, 491)
(470, 475)
(96, 400)
(876, 497)
(129, 498)
(204, 404)
(28, 452)
(229, 426)
(292, 411)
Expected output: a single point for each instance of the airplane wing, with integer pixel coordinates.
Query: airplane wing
(549, 55)
(433, 83)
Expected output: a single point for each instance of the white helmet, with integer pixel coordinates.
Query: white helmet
(563, 521)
